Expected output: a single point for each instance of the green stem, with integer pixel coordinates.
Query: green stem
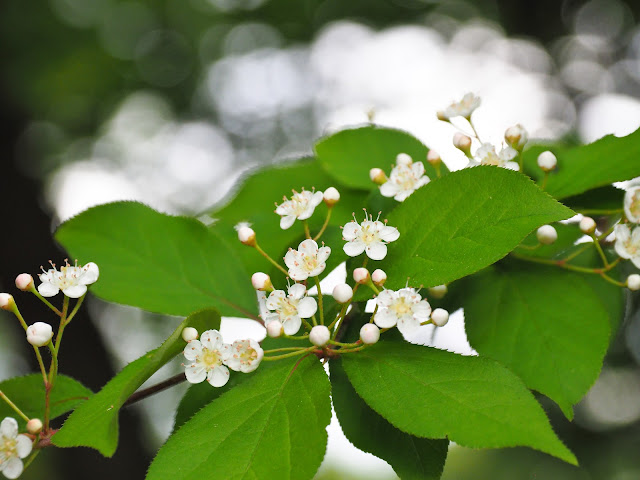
(596, 243)
(285, 349)
(563, 264)
(346, 345)
(265, 255)
(291, 337)
(41, 363)
(287, 355)
(31, 458)
(343, 310)
(611, 280)
(544, 180)
(307, 233)
(13, 406)
(18, 315)
(520, 160)
(324, 225)
(351, 350)
(530, 247)
(595, 211)
(75, 309)
(319, 299)
(475, 132)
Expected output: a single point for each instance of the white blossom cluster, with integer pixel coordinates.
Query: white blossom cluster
(627, 244)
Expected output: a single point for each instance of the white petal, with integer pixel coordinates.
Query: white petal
(297, 291)
(192, 350)
(12, 468)
(286, 222)
(291, 258)
(421, 311)
(376, 251)
(407, 325)
(9, 428)
(388, 189)
(195, 373)
(298, 274)
(211, 340)
(350, 231)
(323, 254)
(418, 169)
(91, 273)
(292, 325)
(402, 196)
(621, 249)
(316, 199)
(308, 247)
(385, 298)
(512, 166)
(385, 318)
(47, 289)
(275, 298)
(307, 307)
(317, 271)
(218, 376)
(635, 237)
(389, 234)
(23, 446)
(355, 248)
(75, 291)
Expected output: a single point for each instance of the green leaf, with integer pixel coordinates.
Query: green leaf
(270, 426)
(459, 224)
(411, 457)
(599, 201)
(95, 423)
(27, 393)
(254, 203)
(610, 159)
(349, 154)
(543, 323)
(157, 262)
(473, 401)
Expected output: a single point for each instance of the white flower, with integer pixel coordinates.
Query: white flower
(289, 309)
(207, 356)
(13, 447)
(463, 108)
(405, 178)
(72, 280)
(486, 155)
(39, 334)
(404, 308)
(628, 243)
(370, 237)
(307, 261)
(516, 136)
(245, 356)
(632, 204)
(301, 206)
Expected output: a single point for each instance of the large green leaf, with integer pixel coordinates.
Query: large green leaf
(411, 457)
(254, 203)
(27, 393)
(95, 423)
(157, 262)
(462, 222)
(544, 323)
(473, 401)
(610, 159)
(349, 154)
(270, 426)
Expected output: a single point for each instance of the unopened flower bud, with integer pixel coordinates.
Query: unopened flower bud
(439, 317)
(547, 234)
(39, 334)
(369, 333)
(274, 329)
(462, 142)
(34, 426)
(261, 281)
(189, 333)
(516, 137)
(246, 235)
(319, 335)
(403, 159)
(633, 282)
(441, 116)
(6, 301)
(587, 225)
(331, 196)
(24, 282)
(547, 161)
(342, 293)
(433, 158)
(379, 277)
(361, 275)
(438, 291)
(377, 176)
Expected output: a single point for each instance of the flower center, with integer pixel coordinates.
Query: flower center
(635, 204)
(401, 307)
(287, 308)
(8, 448)
(210, 359)
(310, 262)
(248, 356)
(368, 235)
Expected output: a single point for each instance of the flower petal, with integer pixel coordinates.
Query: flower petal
(323, 254)
(407, 325)
(192, 350)
(421, 311)
(23, 445)
(195, 373)
(48, 289)
(286, 222)
(355, 248)
(389, 234)
(351, 231)
(385, 318)
(74, 291)
(12, 468)
(90, 275)
(211, 340)
(376, 251)
(307, 307)
(297, 291)
(308, 247)
(292, 325)
(9, 428)
(385, 298)
(274, 299)
(218, 376)
(388, 189)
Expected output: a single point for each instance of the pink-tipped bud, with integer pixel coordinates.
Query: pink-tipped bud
(379, 277)
(369, 333)
(516, 137)
(546, 234)
(39, 334)
(6, 301)
(587, 225)
(433, 158)
(189, 334)
(261, 281)
(319, 335)
(438, 291)
(547, 161)
(361, 275)
(462, 142)
(439, 317)
(274, 329)
(24, 282)
(342, 293)
(331, 196)
(377, 176)
(633, 282)
(34, 426)
(246, 235)
(403, 159)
